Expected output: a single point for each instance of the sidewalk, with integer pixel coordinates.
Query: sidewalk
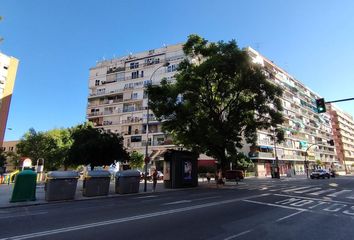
(6, 193)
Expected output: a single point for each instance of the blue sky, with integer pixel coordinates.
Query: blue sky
(58, 41)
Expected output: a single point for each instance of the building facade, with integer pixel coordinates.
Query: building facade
(8, 70)
(343, 130)
(306, 131)
(117, 100)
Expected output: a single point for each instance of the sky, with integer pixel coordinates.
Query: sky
(57, 41)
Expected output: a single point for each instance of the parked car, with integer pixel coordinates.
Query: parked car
(320, 173)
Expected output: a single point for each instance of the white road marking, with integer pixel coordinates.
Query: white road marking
(294, 189)
(238, 235)
(280, 219)
(311, 198)
(338, 193)
(308, 190)
(322, 191)
(177, 202)
(127, 219)
(206, 198)
(23, 215)
(273, 205)
(150, 196)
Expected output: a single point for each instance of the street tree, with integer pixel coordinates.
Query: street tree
(219, 100)
(2, 159)
(52, 146)
(95, 147)
(136, 160)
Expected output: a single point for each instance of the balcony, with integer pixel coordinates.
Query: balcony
(261, 155)
(134, 109)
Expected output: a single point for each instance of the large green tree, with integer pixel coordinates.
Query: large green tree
(219, 100)
(95, 147)
(52, 146)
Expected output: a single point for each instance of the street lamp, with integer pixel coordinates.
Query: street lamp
(147, 159)
(276, 157)
(306, 162)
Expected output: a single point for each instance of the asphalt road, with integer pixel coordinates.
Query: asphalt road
(256, 209)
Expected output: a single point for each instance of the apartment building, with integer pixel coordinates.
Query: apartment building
(305, 129)
(8, 70)
(117, 100)
(343, 130)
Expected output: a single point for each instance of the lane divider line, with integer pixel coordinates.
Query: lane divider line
(127, 219)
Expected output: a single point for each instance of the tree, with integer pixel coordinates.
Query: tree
(241, 161)
(136, 160)
(2, 159)
(220, 99)
(95, 147)
(13, 158)
(52, 146)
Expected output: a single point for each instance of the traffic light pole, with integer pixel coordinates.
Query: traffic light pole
(341, 100)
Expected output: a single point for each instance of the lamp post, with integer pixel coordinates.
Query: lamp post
(276, 157)
(147, 159)
(306, 162)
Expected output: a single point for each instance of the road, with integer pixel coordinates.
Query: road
(255, 209)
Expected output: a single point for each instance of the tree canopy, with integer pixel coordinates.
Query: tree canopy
(95, 147)
(52, 146)
(219, 100)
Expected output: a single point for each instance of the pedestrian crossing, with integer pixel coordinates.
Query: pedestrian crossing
(312, 190)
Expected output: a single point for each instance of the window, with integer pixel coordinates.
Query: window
(135, 74)
(142, 74)
(172, 68)
(135, 96)
(97, 82)
(134, 65)
(135, 138)
(5, 67)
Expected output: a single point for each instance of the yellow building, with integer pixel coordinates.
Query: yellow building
(8, 69)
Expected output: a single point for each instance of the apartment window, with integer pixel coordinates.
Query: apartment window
(142, 74)
(172, 68)
(135, 96)
(97, 82)
(5, 67)
(135, 74)
(147, 82)
(134, 65)
(11, 149)
(135, 138)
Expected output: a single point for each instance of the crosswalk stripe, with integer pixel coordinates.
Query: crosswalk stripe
(308, 190)
(294, 189)
(322, 191)
(338, 193)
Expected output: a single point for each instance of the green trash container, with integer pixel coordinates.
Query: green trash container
(25, 187)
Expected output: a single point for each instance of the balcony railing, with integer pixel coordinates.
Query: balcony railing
(261, 154)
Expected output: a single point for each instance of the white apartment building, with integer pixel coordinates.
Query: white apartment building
(305, 129)
(117, 99)
(117, 102)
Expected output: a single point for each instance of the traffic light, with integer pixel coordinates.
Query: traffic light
(321, 105)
